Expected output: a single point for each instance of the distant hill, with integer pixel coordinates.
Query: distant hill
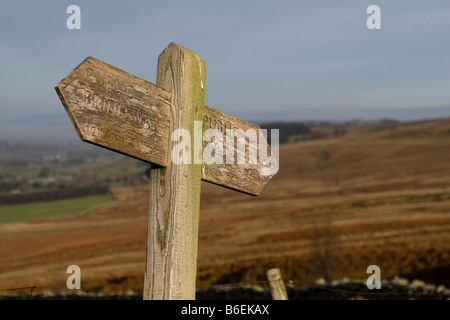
(52, 127)
(378, 195)
(58, 126)
(306, 114)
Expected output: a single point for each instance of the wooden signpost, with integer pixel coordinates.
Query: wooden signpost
(162, 124)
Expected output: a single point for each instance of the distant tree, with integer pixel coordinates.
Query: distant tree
(44, 172)
(286, 129)
(36, 184)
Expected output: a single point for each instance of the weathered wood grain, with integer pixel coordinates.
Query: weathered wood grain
(174, 205)
(116, 110)
(242, 168)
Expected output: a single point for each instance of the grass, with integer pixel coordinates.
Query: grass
(48, 209)
(104, 168)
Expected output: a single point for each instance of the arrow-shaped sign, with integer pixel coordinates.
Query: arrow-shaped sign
(121, 112)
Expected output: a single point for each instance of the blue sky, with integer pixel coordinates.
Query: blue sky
(262, 57)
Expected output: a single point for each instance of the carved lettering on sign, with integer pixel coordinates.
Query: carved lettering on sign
(117, 110)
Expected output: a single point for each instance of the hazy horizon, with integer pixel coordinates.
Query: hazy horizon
(58, 126)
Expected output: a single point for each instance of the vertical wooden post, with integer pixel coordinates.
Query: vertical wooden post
(174, 205)
(276, 283)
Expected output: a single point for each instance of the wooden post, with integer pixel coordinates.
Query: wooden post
(174, 204)
(276, 283)
(118, 111)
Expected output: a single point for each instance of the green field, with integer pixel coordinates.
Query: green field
(104, 168)
(49, 209)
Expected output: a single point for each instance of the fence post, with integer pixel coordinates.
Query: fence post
(276, 283)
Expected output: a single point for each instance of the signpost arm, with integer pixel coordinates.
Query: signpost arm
(174, 203)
